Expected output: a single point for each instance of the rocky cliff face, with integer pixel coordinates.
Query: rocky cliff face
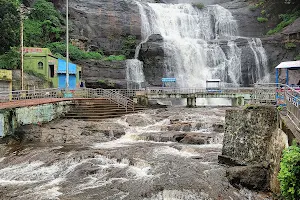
(104, 74)
(152, 55)
(105, 25)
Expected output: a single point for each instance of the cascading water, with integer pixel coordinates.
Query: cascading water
(134, 73)
(201, 44)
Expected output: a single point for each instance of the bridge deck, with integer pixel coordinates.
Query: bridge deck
(34, 102)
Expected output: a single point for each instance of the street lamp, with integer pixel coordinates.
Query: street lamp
(67, 40)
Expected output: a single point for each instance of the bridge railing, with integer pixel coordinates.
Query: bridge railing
(24, 95)
(7, 96)
(292, 101)
(231, 90)
(111, 95)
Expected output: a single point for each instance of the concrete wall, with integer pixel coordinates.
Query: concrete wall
(254, 139)
(248, 133)
(11, 119)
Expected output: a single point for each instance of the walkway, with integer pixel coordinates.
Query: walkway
(30, 102)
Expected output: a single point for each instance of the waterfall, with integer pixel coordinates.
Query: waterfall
(134, 74)
(201, 44)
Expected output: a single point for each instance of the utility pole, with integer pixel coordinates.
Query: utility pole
(22, 46)
(67, 40)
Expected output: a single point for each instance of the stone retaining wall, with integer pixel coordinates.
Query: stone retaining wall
(11, 119)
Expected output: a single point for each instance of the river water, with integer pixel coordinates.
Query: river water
(161, 154)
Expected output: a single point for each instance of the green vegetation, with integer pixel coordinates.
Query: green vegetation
(77, 54)
(263, 12)
(198, 5)
(129, 44)
(297, 57)
(262, 19)
(251, 107)
(9, 25)
(11, 59)
(43, 26)
(252, 7)
(290, 45)
(290, 172)
(287, 19)
(260, 3)
(113, 57)
(280, 108)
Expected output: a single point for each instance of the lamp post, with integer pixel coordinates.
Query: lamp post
(67, 40)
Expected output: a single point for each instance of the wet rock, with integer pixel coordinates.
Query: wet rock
(152, 55)
(137, 120)
(194, 139)
(218, 128)
(179, 126)
(253, 177)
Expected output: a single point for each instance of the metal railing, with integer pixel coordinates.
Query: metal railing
(162, 90)
(111, 95)
(292, 102)
(7, 96)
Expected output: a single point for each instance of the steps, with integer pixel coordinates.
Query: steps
(97, 109)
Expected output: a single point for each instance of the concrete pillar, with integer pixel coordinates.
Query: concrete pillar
(143, 100)
(239, 101)
(194, 101)
(191, 102)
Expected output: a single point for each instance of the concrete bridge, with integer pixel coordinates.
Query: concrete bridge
(238, 96)
(281, 95)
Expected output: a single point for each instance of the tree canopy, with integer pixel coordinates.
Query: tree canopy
(9, 25)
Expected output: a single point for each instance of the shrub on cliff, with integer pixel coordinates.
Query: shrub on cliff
(262, 19)
(198, 5)
(289, 175)
(287, 19)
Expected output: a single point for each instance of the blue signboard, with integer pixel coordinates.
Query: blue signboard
(166, 80)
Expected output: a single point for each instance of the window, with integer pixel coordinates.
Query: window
(40, 65)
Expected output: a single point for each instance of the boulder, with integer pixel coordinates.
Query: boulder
(253, 177)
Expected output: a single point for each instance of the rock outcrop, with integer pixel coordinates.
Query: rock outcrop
(152, 55)
(104, 74)
(103, 24)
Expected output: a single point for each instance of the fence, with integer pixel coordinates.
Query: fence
(43, 94)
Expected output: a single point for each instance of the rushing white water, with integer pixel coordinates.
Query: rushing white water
(134, 73)
(201, 44)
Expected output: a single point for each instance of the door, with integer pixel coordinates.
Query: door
(61, 81)
(72, 81)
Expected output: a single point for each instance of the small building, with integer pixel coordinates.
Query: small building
(5, 80)
(5, 84)
(41, 61)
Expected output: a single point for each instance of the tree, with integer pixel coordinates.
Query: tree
(9, 25)
(43, 26)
